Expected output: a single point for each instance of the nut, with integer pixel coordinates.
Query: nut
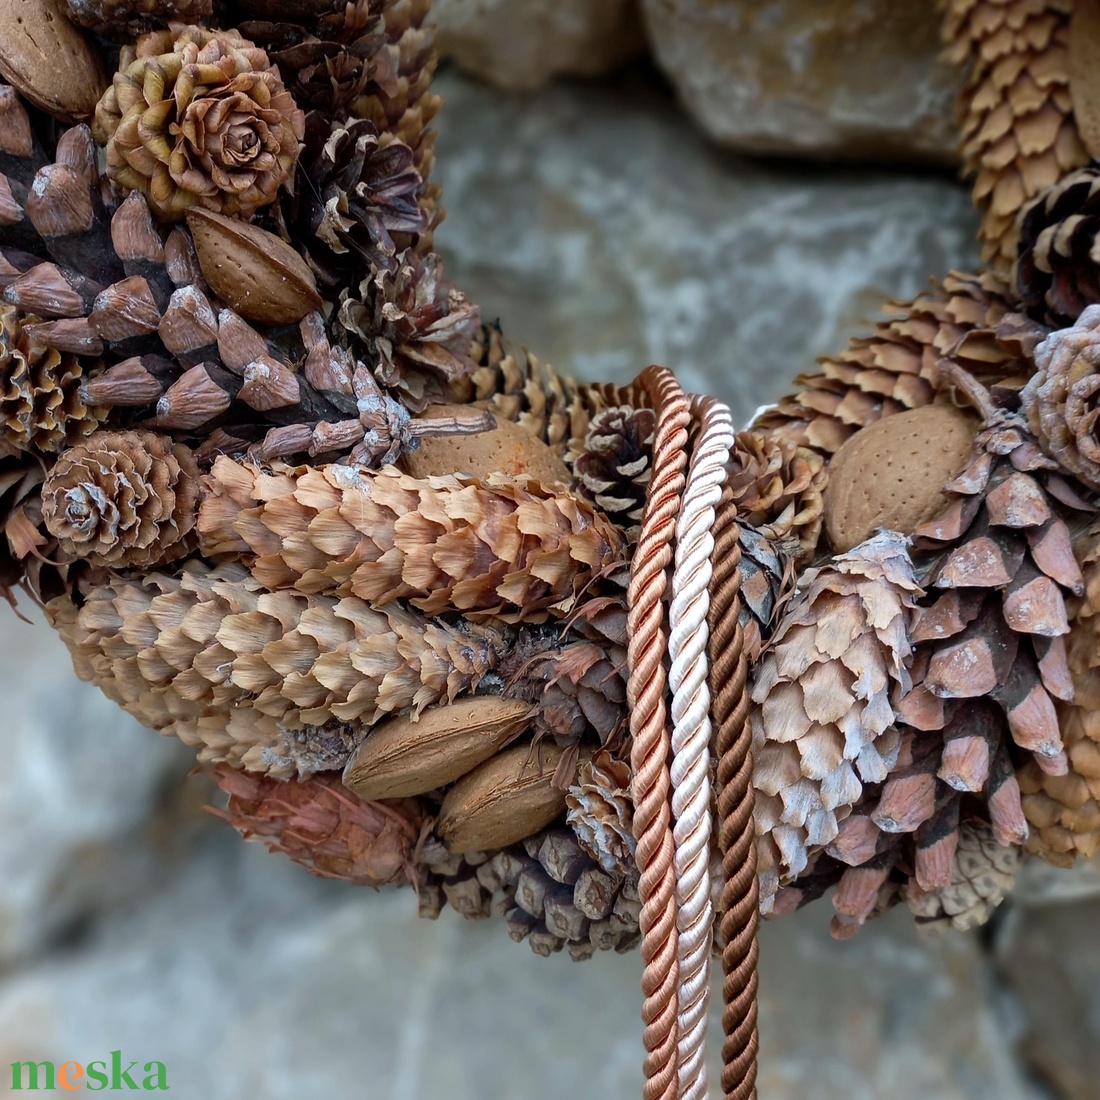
(403, 756)
(48, 60)
(253, 271)
(506, 799)
(892, 474)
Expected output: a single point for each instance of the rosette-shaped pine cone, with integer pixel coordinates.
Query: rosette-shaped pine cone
(326, 828)
(777, 487)
(123, 499)
(352, 194)
(197, 117)
(41, 407)
(414, 328)
(824, 702)
(1062, 399)
(966, 318)
(601, 811)
(613, 466)
(130, 17)
(1057, 272)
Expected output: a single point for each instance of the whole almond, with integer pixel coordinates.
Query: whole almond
(506, 799)
(48, 60)
(892, 473)
(402, 757)
(251, 270)
(1084, 72)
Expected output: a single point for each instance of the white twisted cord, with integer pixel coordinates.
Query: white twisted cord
(691, 734)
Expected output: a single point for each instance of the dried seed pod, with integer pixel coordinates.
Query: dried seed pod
(123, 499)
(133, 17)
(601, 811)
(406, 755)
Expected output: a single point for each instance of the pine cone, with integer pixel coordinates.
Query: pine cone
(40, 403)
(1056, 274)
(601, 812)
(1019, 136)
(965, 319)
(320, 824)
(1064, 811)
(824, 695)
(613, 466)
(777, 487)
(507, 549)
(1062, 399)
(768, 581)
(133, 17)
(123, 499)
(273, 682)
(982, 873)
(199, 117)
(20, 476)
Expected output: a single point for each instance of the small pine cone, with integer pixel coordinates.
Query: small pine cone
(198, 117)
(20, 476)
(1062, 399)
(123, 499)
(1056, 272)
(982, 873)
(824, 697)
(777, 487)
(601, 811)
(509, 549)
(132, 17)
(326, 828)
(964, 319)
(275, 682)
(613, 467)
(40, 401)
(768, 580)
(1019, 135)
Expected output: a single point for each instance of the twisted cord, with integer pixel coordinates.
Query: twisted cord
(691, 733)
(651, 742)
(740, 905)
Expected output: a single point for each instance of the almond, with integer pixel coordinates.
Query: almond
(892, 474)
(403, 756)
(48, 60)
(1084, 72)
(251, 270)
(508, 798)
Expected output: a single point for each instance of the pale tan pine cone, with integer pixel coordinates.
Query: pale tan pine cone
(601, 812)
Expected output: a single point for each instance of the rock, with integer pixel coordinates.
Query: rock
(1050, 958)
(820, 78)
(79, 790)
(606, 235)
(521, 44)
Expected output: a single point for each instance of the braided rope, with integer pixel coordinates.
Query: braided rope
(651, 741)
(691, 732)
(740, 905)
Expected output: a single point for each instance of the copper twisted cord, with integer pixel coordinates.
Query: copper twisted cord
(651, 739)
(739, 918)
(691, 732)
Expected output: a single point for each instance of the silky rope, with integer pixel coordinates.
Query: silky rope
(691, 733)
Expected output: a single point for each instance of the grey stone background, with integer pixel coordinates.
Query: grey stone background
(606, 234)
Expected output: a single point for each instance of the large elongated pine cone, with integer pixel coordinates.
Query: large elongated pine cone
(1064, 811)
(1018, 130)
(275, 682)
(508, 549)
(965, 318)
(824, 699)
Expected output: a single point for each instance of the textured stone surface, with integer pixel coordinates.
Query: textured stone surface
(823, 78)
(607, 235)
(521, 44)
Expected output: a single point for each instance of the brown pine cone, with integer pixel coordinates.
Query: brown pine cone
(777, 487)
(965, 319)
(323, 826)
(768, 579)
(1062, 399)
(40, 403)
(133, 17)
(199, 117)
(1019, 135)
(613, 466)
(1056, 272)
(601, 811)
(123, 499)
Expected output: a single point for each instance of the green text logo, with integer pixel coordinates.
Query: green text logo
(95, 1076)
